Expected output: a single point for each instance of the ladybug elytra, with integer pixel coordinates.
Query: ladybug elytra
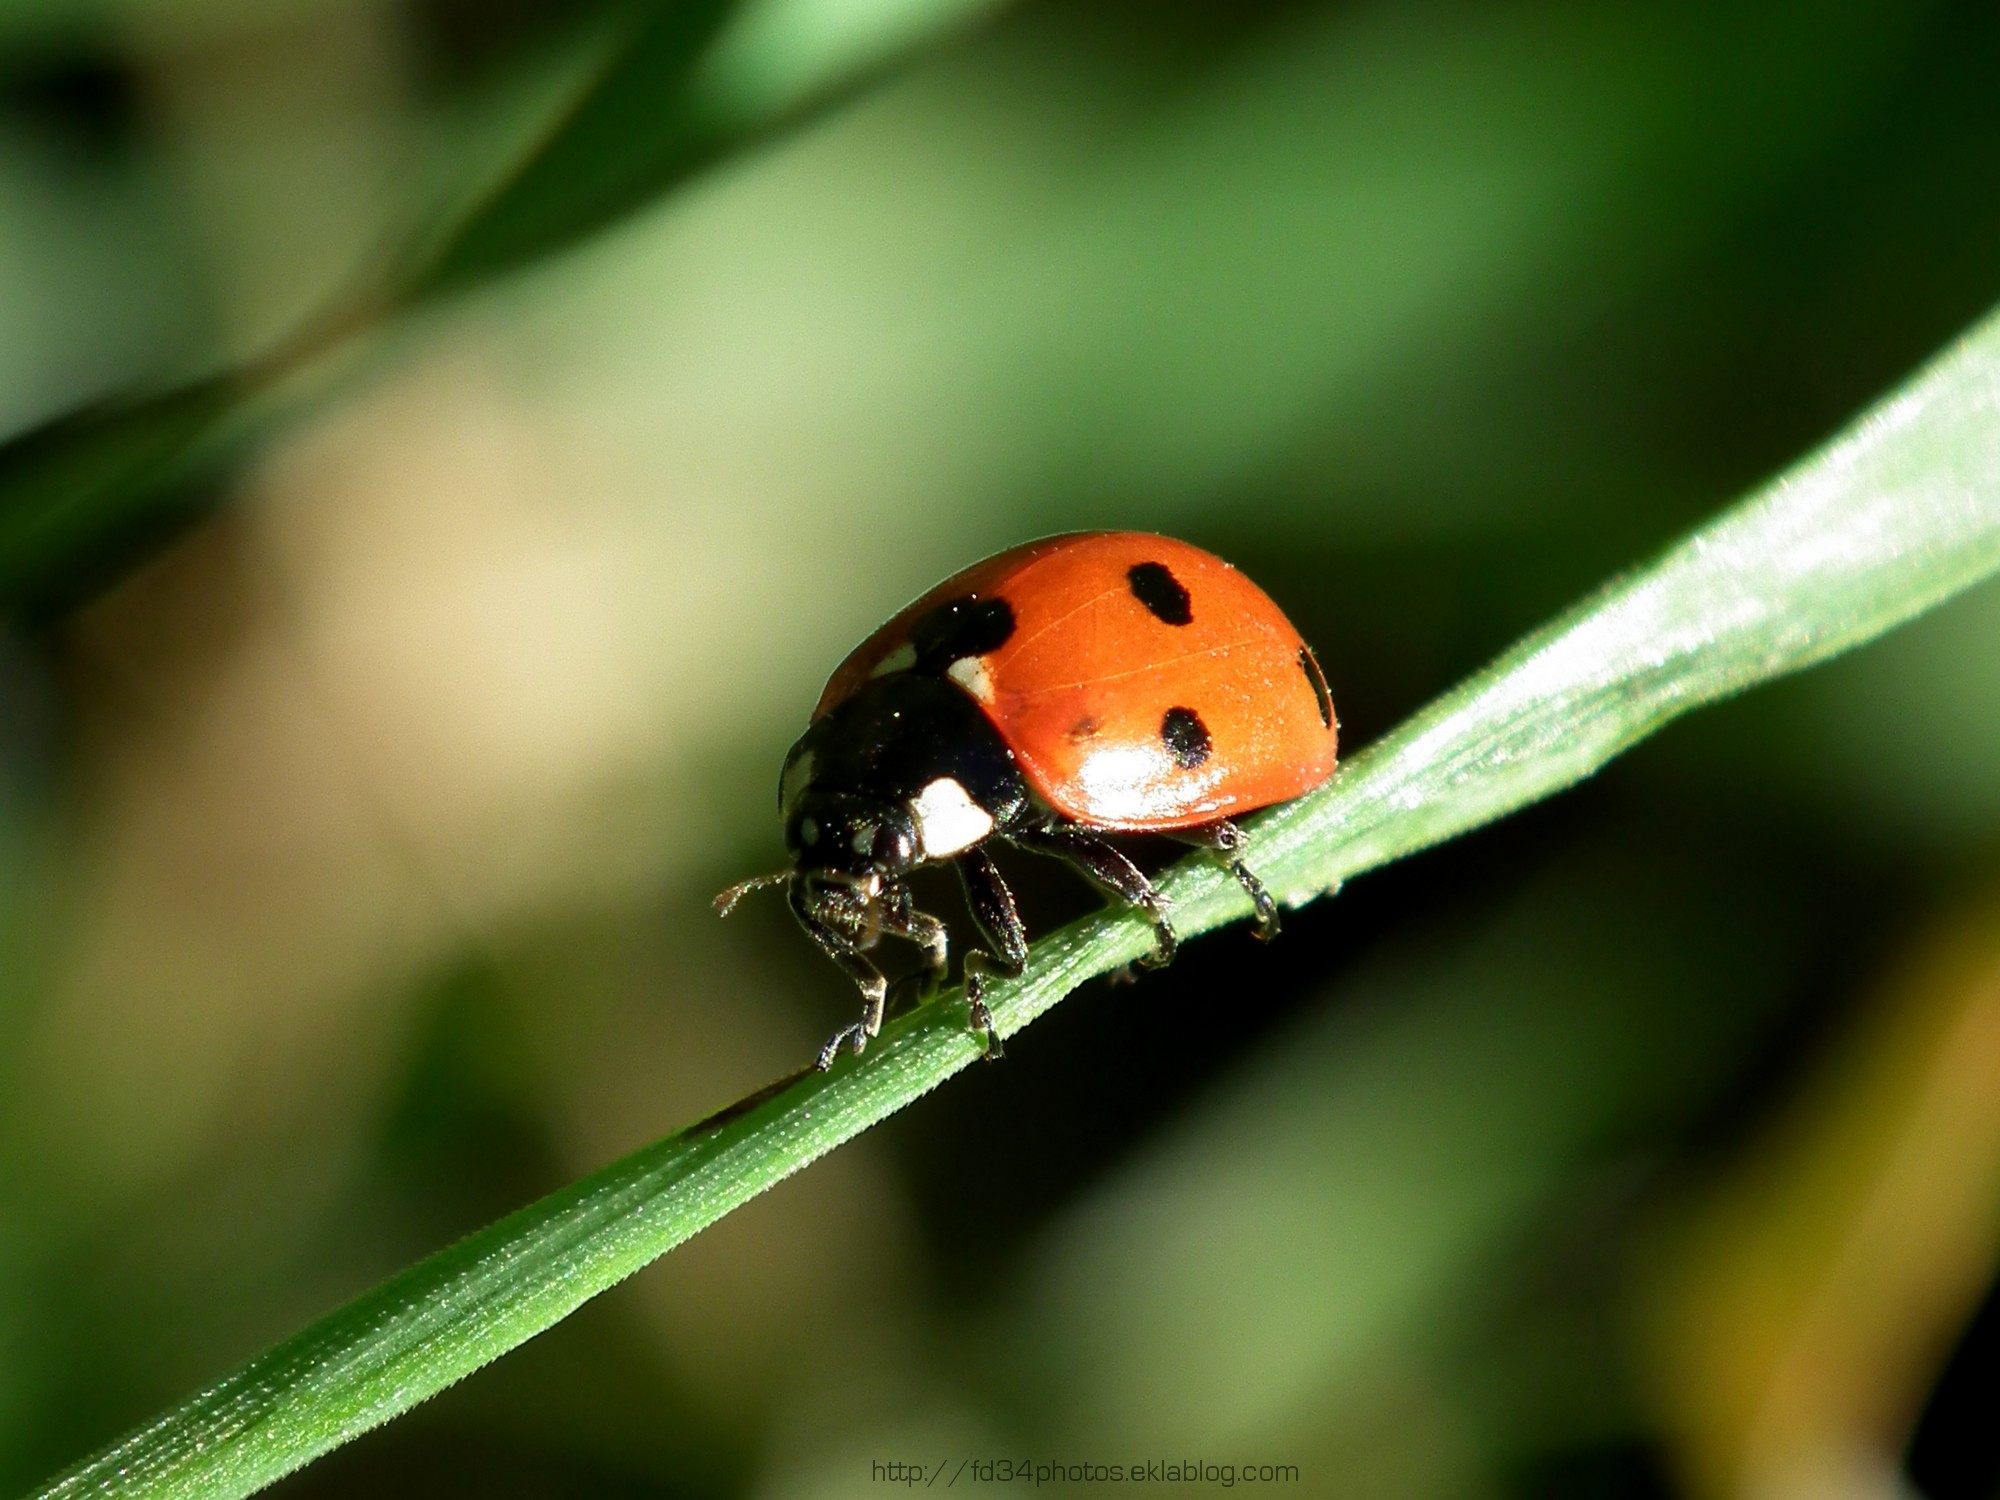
(1083, 685)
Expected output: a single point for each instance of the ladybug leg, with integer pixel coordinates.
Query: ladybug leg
(1225, 839)
(999, 922)
(843, 926)
(1107, 868)
(903, 920)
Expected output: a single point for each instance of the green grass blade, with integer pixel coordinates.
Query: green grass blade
(1896, 515)
(683, 86)
(79, 493)
(694, 81)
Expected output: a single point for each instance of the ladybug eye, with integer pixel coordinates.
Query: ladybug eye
(798, 776)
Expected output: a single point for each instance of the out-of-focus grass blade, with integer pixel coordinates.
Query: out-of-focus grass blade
(631, 133)
(77, 494)
(686, 83)
(1896, 515)
(695, 79)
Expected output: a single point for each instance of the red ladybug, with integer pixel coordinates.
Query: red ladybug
(1100, 682)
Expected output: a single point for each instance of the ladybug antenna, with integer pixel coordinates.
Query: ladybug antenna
(726, 902)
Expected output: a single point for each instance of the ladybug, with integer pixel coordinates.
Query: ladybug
(1102, 682)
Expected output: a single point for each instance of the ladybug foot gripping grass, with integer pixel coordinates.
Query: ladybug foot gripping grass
(1092, 684)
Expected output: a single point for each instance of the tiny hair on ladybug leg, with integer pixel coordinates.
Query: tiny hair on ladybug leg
(874, 1000)
(999, 922)
(903, 920)
(1107, 868)
(826, 916)
(1224, 838)
(1267, 922)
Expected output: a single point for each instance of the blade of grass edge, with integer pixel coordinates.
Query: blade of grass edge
(696, 81)
(1899, 513)
(681, 89)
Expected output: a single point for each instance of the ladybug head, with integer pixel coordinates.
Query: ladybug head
(852, 836)
(842, 841)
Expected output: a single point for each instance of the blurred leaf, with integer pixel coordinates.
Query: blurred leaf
(1898, 514)
(80, 491)
(687, 82)
(694, 80)
(1816, 1295)
(634, 131)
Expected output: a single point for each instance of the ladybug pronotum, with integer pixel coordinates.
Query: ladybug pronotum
(1097, 683)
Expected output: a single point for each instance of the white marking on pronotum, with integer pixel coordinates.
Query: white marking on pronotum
(792, 785)
(901, 659)
(969, 672)
(948, 820)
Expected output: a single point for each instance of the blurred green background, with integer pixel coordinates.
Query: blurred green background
(371, 744)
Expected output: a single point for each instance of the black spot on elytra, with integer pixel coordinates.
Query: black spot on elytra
(1084, 728)
(959, 628)
(1311, 668)
(1157, 588)
(1186, 737)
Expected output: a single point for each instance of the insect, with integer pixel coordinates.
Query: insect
(1095, 683)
